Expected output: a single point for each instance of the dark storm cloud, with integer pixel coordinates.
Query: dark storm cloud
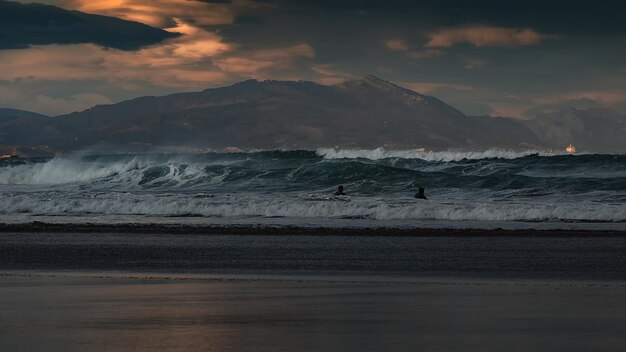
(508, 52)
(600, 16)
(23, 25)
(248, 19)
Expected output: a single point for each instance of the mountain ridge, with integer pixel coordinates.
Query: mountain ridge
(363, 113)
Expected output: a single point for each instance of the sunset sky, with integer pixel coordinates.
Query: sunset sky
(512, 58)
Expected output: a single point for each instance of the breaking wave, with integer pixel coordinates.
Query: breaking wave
(444, 156)
(495, 185)
(302, 207)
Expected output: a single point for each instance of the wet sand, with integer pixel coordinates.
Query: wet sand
(560, 258)
(91, 312)
(332, 228)
(193, 292)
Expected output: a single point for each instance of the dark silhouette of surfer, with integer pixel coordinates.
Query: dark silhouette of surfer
(420, 194)
(340, 191)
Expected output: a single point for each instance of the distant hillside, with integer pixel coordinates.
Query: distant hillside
(363, 113)
(6, 114)
(19, 127)
(591, 129)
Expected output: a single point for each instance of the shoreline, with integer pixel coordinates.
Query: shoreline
(291, 230)
(366, 278)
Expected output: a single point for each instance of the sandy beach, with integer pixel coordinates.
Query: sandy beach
(586, 258)
(192, 292)
(44, 311)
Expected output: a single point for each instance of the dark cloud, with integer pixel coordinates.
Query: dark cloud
(558, 48)
(23, 25)
(559, 15)
(249, 19)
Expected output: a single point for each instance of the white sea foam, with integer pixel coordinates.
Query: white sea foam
(60, 170)
(445, 156)
(126, 171)
(297, 207)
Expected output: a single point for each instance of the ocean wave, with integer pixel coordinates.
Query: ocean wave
(280, 172)
(496, 185)
(61, 170)
(121, 171)
(310, 207)
(441, 156)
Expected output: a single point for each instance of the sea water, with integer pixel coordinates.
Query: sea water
(489, 187)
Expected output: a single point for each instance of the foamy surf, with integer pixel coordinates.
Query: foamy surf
(238, 206)
(443, 156)
(462, 186)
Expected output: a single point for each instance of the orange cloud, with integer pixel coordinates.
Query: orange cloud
(396, 45)
(483, 36)
(196, 44)
(159, 13)
(243, 65)
(52, 62)
(329, 75)
(400, 45)
(180, 62)
(277, 58)
(129, 71)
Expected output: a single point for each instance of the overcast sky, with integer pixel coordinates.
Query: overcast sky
(511, 58)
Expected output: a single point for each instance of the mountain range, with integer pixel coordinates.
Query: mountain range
(363, 113)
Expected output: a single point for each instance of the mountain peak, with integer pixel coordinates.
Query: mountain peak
(373, 79)
(373, 82)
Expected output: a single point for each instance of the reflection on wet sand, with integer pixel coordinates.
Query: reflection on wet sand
(47, 313)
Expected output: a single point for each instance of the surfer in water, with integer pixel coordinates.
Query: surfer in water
(340, 191)
(420, 194)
